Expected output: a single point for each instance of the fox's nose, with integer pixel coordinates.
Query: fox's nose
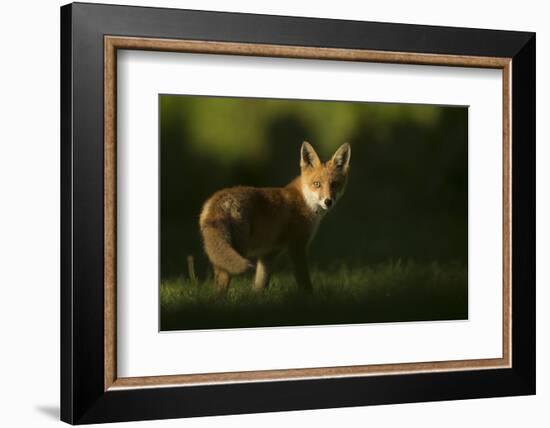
(328, 202)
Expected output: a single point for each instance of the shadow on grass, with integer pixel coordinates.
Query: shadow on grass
(389, 292)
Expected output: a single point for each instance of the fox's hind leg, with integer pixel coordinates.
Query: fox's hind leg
(222, 280)
(263, 273)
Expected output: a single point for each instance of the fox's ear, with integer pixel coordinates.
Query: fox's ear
(342, 156)
(308, 156)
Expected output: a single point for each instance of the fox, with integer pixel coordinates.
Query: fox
(246, 227)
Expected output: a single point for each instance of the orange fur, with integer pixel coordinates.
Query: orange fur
(245, 226)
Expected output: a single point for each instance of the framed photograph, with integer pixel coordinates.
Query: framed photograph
(266, 213)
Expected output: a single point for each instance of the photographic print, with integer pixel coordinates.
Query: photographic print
(280, 212)
(316, 182)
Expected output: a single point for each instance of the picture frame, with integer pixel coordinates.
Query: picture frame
(91, 35)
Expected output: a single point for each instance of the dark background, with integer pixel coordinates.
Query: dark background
(407, 191)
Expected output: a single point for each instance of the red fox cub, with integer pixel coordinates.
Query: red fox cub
(246, 227)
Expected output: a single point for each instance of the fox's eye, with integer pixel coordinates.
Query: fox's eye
(316, 184)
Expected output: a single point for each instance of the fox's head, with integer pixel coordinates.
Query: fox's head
(323, 183)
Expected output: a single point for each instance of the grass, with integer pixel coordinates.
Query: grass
(388, 292)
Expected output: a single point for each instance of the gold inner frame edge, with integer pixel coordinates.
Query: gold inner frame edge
(113, 43)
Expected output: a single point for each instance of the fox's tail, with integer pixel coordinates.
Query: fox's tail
(217, 245)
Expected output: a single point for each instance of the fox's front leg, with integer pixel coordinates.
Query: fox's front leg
(301, 270)
(263, 273)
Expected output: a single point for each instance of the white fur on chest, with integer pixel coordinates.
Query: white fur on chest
(311, 199)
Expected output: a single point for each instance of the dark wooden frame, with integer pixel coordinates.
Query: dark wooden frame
(89, 33)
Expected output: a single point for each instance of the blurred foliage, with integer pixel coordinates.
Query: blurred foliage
(407, 196)
(237, 129)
